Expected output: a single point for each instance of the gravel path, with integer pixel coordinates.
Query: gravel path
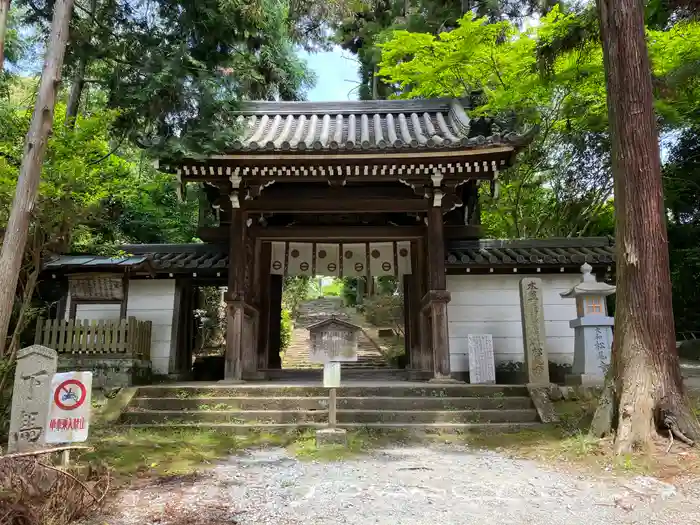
(402, 486)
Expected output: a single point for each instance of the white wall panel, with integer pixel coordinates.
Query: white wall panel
(154, 300)
(148, 300)
(490, 304)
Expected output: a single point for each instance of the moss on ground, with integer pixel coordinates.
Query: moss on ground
(145, 452)
(568, 444)
(175, 451)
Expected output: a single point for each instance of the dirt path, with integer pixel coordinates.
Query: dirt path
(400, 486)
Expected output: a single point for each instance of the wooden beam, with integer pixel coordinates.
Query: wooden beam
(364, 179)
(339, 233)
(458, 232)
(327, 205)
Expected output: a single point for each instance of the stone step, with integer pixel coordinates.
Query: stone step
(315, 374)
(321, 416)
(321, 403)
(416, 429)
(277, 390)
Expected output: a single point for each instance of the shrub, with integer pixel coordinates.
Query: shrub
(295, 291)
(349, 291)
(285, 329)
(385, 310)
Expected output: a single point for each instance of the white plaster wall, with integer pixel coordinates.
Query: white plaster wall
(490, 304)
(154, 300)
(148, 300)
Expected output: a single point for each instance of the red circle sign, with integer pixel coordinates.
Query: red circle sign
(66, 399)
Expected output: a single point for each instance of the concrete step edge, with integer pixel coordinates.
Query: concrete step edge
(526, 424)
(352, 398)
(339, 411)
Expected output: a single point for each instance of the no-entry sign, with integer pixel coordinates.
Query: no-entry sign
(69, 411)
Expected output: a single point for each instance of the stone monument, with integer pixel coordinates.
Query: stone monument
(36, 365)
(592, 330)
(534, 336)
(482, 368)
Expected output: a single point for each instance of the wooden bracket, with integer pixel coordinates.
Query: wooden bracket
(255, 190)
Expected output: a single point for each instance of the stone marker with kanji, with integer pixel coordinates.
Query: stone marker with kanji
(36, 365)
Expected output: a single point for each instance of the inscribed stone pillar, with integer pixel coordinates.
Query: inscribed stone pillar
(36, 365)
(482, 368)
(534, 337)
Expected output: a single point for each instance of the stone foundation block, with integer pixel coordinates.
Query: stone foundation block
(585, 380)
(108, 373)
(331, 436)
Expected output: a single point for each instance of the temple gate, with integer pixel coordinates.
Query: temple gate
(355, 188)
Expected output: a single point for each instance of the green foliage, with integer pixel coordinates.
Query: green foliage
(176, 70)
(682, 192)
(295, 290)
(349, 293)
(550, 76)
(334, 289)
(372, 24)
(285, 329)
(385, 310)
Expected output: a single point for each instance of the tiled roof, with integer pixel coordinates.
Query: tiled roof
(366, 125)
(174, 257)
(92, 262)
(534, 252)
(571, 253)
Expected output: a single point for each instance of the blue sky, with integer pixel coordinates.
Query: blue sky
(337, 76)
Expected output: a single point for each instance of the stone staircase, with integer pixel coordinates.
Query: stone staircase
(314, 311)
(281, 408)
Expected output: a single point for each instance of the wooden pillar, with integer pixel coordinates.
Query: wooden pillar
(424, 350)
(177, 347)
(415, 291)
(436, 249)
(435, 301)
(410, 310)
(264, 302)
(407, 321)
(274, 360)
(235, 309)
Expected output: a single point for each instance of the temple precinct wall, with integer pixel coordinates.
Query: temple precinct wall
(148, 300)
(490, 304)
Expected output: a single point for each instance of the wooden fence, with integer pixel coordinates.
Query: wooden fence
(125, 336)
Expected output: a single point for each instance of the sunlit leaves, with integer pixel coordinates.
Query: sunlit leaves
(94, 192)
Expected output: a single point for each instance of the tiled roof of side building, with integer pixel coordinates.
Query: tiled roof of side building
(365, 125)
(187, 258)
(532, 252)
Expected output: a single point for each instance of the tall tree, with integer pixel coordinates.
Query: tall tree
(15, 238)
(649, 388)
(4, 16)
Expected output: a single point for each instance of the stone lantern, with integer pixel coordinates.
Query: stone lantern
(592, 330)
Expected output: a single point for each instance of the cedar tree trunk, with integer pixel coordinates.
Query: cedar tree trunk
(76, 91)
(35, 143)
(648, 385)
(4, 14)
(78, 82)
